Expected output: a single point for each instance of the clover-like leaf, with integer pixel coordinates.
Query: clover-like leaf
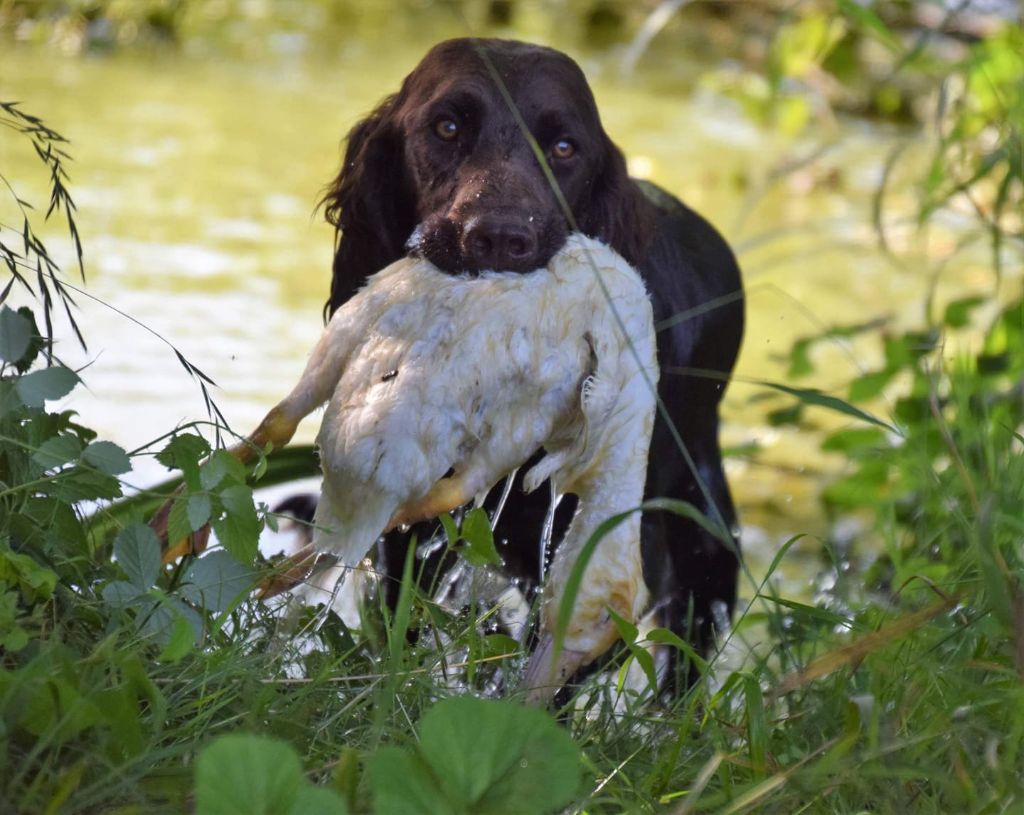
(243, 774)
(479, 538)
(499, 757)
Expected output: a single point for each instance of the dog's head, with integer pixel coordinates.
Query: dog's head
(444, 169)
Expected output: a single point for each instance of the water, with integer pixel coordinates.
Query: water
(197, 177)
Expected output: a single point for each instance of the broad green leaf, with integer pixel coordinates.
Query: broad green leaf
(57, 451)
(137, 549)
(120, 593)
(84, 484)
(479, 538)
(37, 387)
(499, 757)
(220, 466)
(178, 525)
(107, 457)
(15, 335)
(216, 580)
(184, 452)
(312, 800)
(238, 528)
(403, 784)
(198, 511)
(183, 449)
(159, 613)
(244, 774)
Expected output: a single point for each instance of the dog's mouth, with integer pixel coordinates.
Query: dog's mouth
(487, 243)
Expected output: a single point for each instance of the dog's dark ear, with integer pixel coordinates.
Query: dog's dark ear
(368, 203)
(615, 210)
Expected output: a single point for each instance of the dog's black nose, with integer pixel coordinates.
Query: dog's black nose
(500, 244)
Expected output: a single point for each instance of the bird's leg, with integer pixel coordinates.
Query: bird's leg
(613, 579)
(446, 495)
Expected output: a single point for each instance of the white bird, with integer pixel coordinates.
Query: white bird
(437, 386)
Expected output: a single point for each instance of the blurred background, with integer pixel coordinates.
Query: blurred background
(853, 155)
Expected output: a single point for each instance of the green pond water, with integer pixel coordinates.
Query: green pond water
(196, 178)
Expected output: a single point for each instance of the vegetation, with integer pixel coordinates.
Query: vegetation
(128, 685)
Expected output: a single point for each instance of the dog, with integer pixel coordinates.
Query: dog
(443, 169)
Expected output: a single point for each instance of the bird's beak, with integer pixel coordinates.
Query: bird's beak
(545, 674)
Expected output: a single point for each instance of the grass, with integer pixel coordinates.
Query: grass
(129, 686)
(901, 688)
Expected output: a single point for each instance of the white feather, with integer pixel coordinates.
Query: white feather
(426, 372)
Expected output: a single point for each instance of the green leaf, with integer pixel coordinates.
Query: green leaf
(238, 528)
(450, 530)
(852, 440)
(159, 613)
(663, 636)
(216, 580)
(37, 387)
(80, 484)
(137, 549)
(120, 593)
(180, 643)
(220, 466)
(244, 774)
(811, 396)
(499, 757)
(869, 385)
(183, 452)
(198, 511)
(628, 633)
(958, 313)
(479, 538)
(35, 581)
(15, 335)
(418, 791)
(313, 800)
(107, 457)
(57, 451)
(822, 615)
(178, 525)
(864, 17)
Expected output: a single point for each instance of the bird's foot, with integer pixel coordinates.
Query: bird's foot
(446, 495)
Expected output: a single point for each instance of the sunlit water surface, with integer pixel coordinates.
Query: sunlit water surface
(196, 180)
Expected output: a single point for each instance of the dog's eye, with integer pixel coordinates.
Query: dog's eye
(563, 148)
(446, 129)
